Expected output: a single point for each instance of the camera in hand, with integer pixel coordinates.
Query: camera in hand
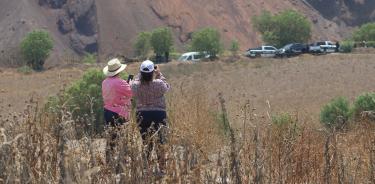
(130, 77)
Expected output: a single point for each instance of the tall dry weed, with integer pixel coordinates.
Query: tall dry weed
(42, 148)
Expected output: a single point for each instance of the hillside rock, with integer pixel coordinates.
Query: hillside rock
(349, 12)
(79, 8)
(65, 25)
(77, 20)
(82, 43)
(55, 4)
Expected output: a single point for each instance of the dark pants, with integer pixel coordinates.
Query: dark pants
(150, 121)
(113, 119)
(150, 124)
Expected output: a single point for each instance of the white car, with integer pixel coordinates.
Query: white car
(263, 51)
(192, 56)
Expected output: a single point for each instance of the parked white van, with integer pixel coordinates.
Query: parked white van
(192, 56)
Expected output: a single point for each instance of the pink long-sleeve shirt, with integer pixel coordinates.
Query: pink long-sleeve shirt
(117, 96)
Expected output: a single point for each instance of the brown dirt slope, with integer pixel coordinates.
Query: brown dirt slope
(121, 20)
(111, 26)
(21, 16)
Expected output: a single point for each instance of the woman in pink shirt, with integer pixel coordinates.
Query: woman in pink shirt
(116, 93)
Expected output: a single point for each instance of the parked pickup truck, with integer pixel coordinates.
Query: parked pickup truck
(322, 47)
(263, 51)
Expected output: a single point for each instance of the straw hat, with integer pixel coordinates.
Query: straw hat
(113, 67)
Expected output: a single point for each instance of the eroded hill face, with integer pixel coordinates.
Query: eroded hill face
(350, 12)
(71, 23)
(110, 26)
(78, 21)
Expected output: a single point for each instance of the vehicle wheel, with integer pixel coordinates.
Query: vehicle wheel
(257, 55)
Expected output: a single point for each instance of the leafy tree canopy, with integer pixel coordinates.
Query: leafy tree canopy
(287, 27)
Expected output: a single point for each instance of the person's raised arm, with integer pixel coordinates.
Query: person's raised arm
(158, 75)
(164, 86)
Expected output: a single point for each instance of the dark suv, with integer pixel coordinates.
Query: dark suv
(292, 49)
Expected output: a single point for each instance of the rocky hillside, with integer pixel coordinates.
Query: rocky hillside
(109, 27)
(347, 12)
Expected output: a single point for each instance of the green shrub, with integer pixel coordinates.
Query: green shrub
(282, 119)
(276, 29)
(223, 122)
(142, 46)
(370, 44)
(207, 40)
(285, 125)
(89, 59)
(347, 46)
(365, 33)
(234, 47)
(365, 102)
(84, 99)
(25, 70)
(336, 113)
(35, 48)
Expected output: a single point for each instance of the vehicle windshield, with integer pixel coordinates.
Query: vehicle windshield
(258, 48)
(286, 47)
(183, 58)
(270, 48)
(198, 56)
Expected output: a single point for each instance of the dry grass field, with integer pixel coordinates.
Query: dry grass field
(300, 85)
(37, 147)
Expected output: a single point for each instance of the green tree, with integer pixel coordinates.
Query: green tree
(35, 48)
(264, 22)
(207, 40)
(365, 33)
(287, 27)
(162, 42)
(234, 47)
(142, 46)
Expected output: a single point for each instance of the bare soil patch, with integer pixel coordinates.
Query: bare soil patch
(16, 89)
(300, 85)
